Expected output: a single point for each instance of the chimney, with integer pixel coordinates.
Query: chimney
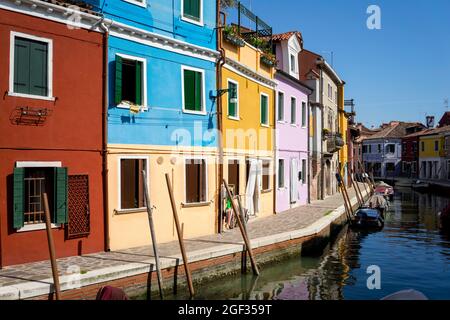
(430, 122)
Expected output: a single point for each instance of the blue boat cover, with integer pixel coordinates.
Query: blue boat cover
(369, 213)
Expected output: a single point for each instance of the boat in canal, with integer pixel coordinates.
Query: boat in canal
(368, 218)
(385, 190)
(420, 186)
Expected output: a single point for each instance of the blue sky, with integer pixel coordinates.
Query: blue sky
(401, 72)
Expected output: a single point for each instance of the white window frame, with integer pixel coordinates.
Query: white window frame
(262, 173)
(144, 106)
(283, 120)
(267, 125)
(38, 164)
(294, 64)
(284, 174)
(49, 42)
(202, 71)
(295, 123)
(142, 3)
(304, 120)
(228, 100)
(187, 19)
(119, 180)
(185, 203)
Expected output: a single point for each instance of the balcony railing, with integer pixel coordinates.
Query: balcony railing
(335, 142)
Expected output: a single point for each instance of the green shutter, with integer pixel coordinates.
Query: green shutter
(232, 106)
(18, 197)
(198, 91)
(38, 68)
(22, 66)
(189, 90)
(61, 188)
(264, 110)
(118, 87)
(192, 9)
(138, 83)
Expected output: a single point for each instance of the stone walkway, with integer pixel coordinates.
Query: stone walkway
(292, 220)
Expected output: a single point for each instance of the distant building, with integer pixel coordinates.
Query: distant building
(445, 120)
(382, 152)
(433, 155)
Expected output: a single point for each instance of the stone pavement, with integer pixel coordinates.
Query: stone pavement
(31, 279)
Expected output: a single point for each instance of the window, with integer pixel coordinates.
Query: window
(404, 147)
(379, 148)
(293, 64)
(233, 99)
(280, 106)
(264, 109)
(141, 3)
(304, 114)
(364, 149)
(370, 148)
(266, 175)
(422, 144)
(335, 96)
(330, 91)
(390, 167)
(414, 167)
(196, 181)
(130, 87)
(303, 171)
(29, 185)
(233, 175)
(436, 145)
(192, 11)
(390, 148)
(280, 173)
(448, 169)
(193, 90)
(31, 66)
(131, 183)
(293, 110)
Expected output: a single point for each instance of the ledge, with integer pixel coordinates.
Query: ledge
(129, 211)
(195, 205)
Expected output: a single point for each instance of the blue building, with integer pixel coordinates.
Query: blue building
(382, 152)
(161, 116)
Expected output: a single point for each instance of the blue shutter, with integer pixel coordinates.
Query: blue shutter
(18, 198)
(61, 189)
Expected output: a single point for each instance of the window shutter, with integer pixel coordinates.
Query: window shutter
(60, 215)
(18, 195)
(138, 83)
(192, 8)
(189, 90)
(21, 66)
(198, 91)
(263, 110)
(118, 87)
(232, 94)
(38, 68)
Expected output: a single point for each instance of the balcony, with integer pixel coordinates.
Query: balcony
(335, 142)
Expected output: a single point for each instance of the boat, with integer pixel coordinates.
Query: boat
(368, 218)
(379, 202)
(420, 186)
(385, 190)
(411, 295)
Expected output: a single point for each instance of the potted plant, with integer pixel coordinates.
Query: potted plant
(325, 133)
(231, 35)
(269, 59)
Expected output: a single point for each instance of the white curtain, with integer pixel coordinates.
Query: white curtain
(294, 180)
(250, 191)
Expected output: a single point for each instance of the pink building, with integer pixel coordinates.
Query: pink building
(291, 144)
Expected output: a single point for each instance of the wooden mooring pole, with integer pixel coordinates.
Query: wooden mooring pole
(243, 232)
(180, 236)
(51, 248)
(345, 194)
(152, 233)
(356, 187)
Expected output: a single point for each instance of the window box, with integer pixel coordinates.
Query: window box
(268, 60)
(230, 35)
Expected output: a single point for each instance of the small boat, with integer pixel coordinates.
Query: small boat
(368, 218)
(379, 202)
(411, 295)
(385, 190)
(420, 186)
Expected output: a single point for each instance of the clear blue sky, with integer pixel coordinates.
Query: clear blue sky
(400, 72)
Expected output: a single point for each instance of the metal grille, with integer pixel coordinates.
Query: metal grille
(34, 209)
(79, 213)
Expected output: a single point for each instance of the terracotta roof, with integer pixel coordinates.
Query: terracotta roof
(445, 120)
(438, 130)
(418, 134)
(287, 36)
(395, 130)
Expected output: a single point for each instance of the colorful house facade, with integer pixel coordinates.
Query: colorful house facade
(247, 122)
(161, 117)
(291, 142)
(432, 154)
(51, 122)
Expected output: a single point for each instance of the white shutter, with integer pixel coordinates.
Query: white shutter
(250, 190)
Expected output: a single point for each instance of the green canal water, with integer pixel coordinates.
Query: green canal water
(411, 252)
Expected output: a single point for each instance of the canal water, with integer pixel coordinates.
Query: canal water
(411, 252)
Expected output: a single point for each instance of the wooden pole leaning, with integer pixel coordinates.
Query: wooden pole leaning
(356, 187)
(152, 233)
(242, 228)
(180, 236)
(347, 209)
(51, 248)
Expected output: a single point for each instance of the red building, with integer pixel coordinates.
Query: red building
(410, 154)
(51, 131)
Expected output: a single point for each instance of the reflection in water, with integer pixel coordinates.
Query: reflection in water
(411, 252)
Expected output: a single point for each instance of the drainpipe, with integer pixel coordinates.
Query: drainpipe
(309, 146)
(219, 66)
(322, 174)
(105, 134)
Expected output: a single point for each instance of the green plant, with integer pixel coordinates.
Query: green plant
(230, 30)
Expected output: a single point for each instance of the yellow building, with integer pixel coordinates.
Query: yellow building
(343, 128)
(432, 162)
(247, 127)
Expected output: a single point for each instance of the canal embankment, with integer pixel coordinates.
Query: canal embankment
(301, 230)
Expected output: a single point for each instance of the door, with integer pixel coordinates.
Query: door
(293, 187)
